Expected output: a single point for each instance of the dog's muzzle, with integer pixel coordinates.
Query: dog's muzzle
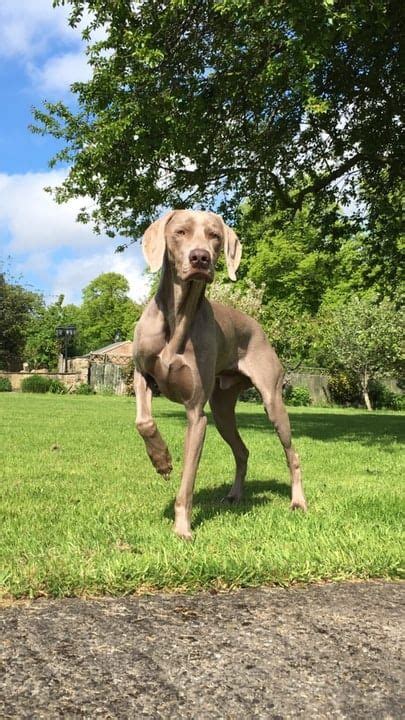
(200, 264)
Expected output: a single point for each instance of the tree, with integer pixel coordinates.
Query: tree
(191, 101)
(17, 307)
(291, 332)
(296, 259)
(42, 348)
(365, 338)
(385, 244)
(107, 310)
(247, 297)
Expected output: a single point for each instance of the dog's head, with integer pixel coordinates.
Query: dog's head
(193, 240)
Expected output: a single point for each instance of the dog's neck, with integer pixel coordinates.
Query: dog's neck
(179, 301)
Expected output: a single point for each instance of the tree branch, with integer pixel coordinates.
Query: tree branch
(323, 181)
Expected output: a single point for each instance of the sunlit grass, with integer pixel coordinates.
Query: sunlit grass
(83, 512)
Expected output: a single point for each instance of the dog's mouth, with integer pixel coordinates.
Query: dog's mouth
(199, 274)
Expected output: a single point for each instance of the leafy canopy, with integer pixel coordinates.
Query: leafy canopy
(42, 346)
(18, 306)
(296, 259)
(209, 102)
(107, 310)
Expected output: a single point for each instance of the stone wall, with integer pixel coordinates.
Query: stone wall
(78, 365)
(70, 379)
(101, 375)
(317, 384)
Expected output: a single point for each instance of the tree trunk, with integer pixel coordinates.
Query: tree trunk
(364, 379)
(367, 399)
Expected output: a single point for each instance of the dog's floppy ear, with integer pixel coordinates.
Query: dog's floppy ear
(154, 242)
(232, 250)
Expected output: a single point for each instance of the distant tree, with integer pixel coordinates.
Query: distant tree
(42, 346)
(291, 332)
(17, 308)
(245, 297)
(385, 241)
(363, 337)
(302, 259)
(107, 310)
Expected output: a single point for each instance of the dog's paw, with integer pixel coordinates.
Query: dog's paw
(165, 472)
(161, 461)
(232, 499)
(183, 532)
(299, 505)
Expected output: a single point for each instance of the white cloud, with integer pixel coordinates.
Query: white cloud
(60, 71)
(41, 39)
(47, 243)
(33, 218)
(28, 27)
(72, 275)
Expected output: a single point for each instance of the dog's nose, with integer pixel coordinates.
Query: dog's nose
(199, 259)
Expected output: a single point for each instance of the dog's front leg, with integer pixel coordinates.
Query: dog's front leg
(195, 435)
(146, 426)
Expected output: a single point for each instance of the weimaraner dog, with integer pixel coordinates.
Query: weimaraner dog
(199, 351)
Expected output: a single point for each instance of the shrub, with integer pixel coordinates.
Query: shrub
(36, 384)
(57, 387)
(250, 395)
(5, 384)
(400, 402)
(297, 396)
(382, 397)
(83, 389)
(344, 389)
(401, 382)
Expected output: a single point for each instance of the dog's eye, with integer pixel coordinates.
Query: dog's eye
(180, 232)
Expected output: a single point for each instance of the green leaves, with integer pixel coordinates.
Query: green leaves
(270, 101)
(106, 310)
(365, 337)
(17, 307)
(42, 348)
(28, 325)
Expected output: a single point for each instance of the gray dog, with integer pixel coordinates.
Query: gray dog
(199, 351)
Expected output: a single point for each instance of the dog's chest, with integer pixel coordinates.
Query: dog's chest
(174, 377)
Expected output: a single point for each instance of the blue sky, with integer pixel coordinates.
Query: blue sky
(40, 55)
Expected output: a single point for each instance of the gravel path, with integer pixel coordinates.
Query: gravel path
(319, 651)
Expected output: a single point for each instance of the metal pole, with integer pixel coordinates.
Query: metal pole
(66, 350)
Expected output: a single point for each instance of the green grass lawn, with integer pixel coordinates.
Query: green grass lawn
(83, 512)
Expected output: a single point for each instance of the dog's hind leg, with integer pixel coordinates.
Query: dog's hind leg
(222, 403)
(266, 375)
(146, 426)
(279, 417)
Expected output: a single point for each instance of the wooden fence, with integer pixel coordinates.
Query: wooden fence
(107, 376)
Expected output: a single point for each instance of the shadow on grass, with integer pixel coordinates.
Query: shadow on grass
(210, 502)
(367, 429)
(378, 429)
